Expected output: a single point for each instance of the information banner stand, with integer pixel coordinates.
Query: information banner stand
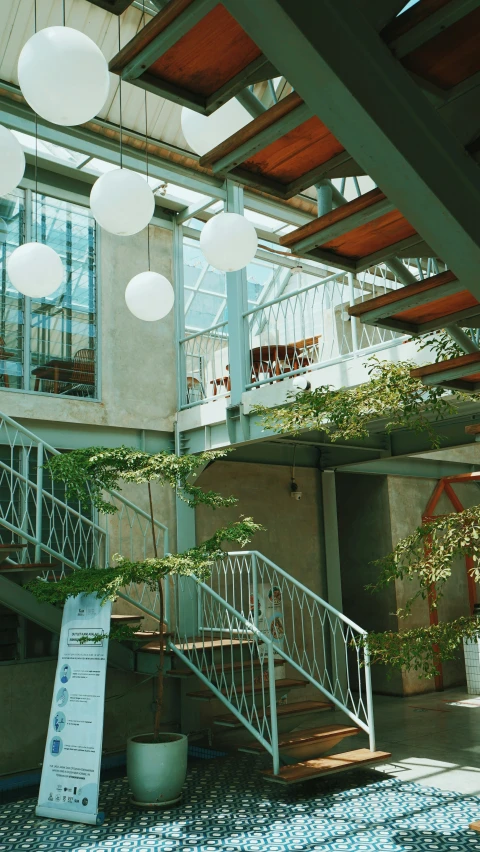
(70, 780)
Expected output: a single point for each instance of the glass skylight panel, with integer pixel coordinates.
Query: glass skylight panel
(267, 223)
(49, 150)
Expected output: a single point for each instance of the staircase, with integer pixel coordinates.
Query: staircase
(262, 662)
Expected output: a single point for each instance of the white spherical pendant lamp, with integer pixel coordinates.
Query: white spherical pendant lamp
(122, 202)
(228, 241)
(149, 296)
(12, 161)
(35, 270)
(63, 75)
(205, 132)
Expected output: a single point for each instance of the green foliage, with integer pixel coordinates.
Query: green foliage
(106, 583)
(442, 344)
(427, 554)
(346, 413)
(422, 648)
(89, 472)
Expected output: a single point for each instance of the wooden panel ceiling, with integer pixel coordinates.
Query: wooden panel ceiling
(371, 237)
(208, 56)
(451, 56)
(296, 153)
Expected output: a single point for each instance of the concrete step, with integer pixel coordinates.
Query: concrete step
(306, 744)
(284, 712)
(126, 619)
(285, 684)
(310, 769)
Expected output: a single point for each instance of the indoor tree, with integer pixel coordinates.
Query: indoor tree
(425, 558)
(88, 474)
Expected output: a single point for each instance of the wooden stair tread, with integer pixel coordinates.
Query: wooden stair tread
(296, 772)
(308, 735)
(402, 293)
(229, 721)
(316, 226)
(198, 645)
(231, 667)
(12, 546)
(441, 366)
(261, 122)
(27, 566)
(126, 619)
(249, 688)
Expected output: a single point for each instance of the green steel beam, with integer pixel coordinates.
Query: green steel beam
(318, 173)
(159, 45)
(417, 467)
(381, 12)
(258, 70)
(412, 301)
(265, 137)
(19, 116)
(344, 226)
(389, 128)
(73, 436)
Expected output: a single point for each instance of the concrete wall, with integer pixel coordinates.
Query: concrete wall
(365, 534)
(292, 538)
(374, 513)
(27, 690)
(138, 391)
(138, 387)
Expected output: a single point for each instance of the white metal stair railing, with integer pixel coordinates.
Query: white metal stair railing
(57, 530)
(321, 643)
(244, 652)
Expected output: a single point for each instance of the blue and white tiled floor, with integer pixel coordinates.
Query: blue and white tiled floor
(228, 807)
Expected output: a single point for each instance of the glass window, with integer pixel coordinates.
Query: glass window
(57, 352)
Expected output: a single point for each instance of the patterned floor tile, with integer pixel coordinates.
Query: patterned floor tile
(228, 807)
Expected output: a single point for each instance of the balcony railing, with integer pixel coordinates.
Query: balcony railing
(300, 330)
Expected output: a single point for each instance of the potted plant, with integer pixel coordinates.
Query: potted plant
(157, 761)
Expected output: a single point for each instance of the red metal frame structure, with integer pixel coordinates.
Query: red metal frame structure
(444, 486)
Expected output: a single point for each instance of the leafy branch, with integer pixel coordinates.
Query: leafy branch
(422, 648)
(87, 473)
(106, 583)
(346, 413)
(427, 554)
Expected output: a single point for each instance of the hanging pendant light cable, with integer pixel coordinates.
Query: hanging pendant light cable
(146, 156)
(120, 97)
(64, 13)
(147, 175)
(36, 139)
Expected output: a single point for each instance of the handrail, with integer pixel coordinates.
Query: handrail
(51, 497)
(204, 331)
(36, 440)
(300, 586)
(292, 293)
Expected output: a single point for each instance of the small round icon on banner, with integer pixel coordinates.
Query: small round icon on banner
(62, 696)
(59, 721)
(84, 802)
(56, 746)
(65, 673)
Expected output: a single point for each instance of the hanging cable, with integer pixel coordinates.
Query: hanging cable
(36, 139)
(64, 13)
(147, 174)
(120, 97)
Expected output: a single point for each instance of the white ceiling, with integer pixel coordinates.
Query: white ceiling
(17, 25)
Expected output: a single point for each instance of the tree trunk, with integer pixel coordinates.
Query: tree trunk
(159, 698)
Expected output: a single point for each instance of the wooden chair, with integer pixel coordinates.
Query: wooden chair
(195, 390)
(223, 383)
(83, 372)
(306, 352)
